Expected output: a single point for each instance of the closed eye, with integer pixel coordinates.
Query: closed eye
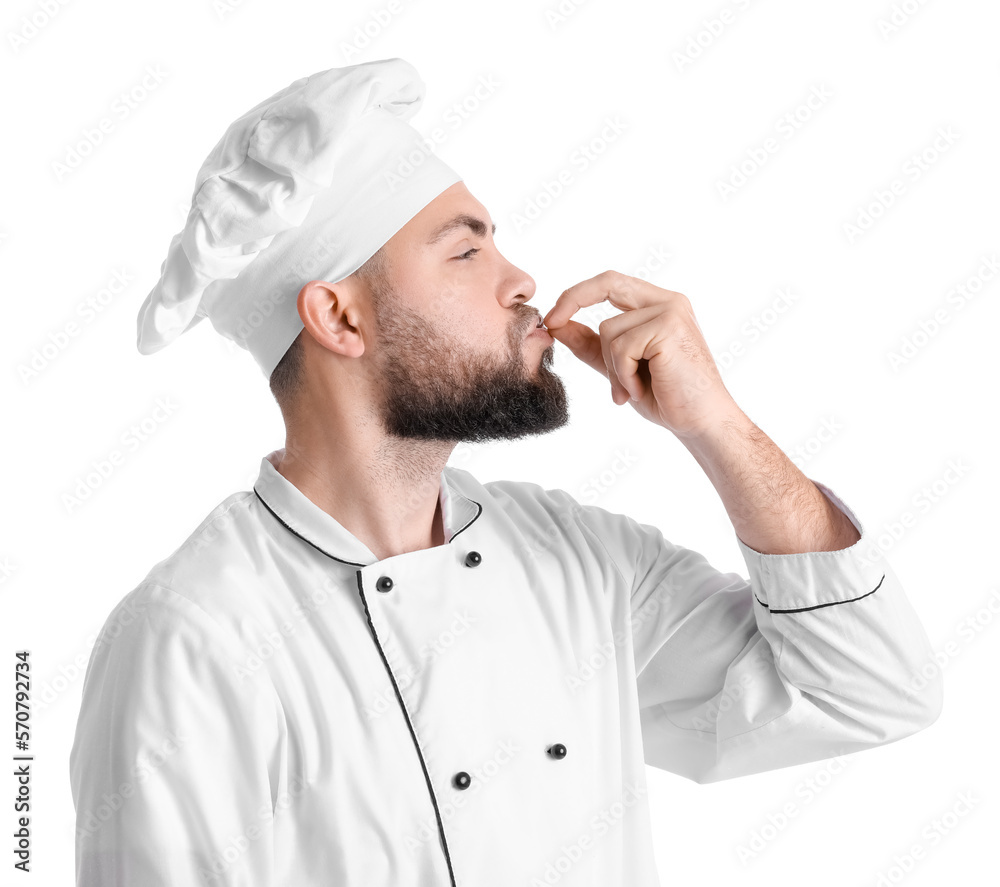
(469, 254)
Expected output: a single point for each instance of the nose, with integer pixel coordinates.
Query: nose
(518, 287)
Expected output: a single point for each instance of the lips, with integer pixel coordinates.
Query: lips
(539, 332)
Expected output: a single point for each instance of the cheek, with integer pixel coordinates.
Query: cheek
(467, 316)
(473, 336)
(470, 329)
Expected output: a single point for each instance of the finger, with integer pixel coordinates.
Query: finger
(622, 291)
(619, 393)
(626, 350)
(612, 330)
(583, 342)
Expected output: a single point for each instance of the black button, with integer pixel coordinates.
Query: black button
(473, 559)
(556, 751)
(462, 780)
(384, 583)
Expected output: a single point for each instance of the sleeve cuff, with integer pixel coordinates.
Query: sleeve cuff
(788, 583)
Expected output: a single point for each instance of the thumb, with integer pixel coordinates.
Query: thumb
(583, 342)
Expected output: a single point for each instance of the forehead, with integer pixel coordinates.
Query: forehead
(454, 210)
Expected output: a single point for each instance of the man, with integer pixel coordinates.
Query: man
(373, 669)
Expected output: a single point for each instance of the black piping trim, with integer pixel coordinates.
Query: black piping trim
(352, 563)
(817, 606)
(470, 523)
(413, 735)
(303, 538)
(395, 687)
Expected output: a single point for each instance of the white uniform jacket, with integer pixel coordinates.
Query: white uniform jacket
(273, 706)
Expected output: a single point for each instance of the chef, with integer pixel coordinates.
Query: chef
(373, 670)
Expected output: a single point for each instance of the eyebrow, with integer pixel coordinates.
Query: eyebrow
(462, 220)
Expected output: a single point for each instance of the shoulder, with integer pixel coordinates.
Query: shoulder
(204, 583)
(218, 551)
(547, 512)
(535, 500)
(525, 497)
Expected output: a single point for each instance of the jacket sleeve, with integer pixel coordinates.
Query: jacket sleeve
(169, 762)
(817, 655)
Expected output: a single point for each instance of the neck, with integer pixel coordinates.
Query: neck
(385, 491)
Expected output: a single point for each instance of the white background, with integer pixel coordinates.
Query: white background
(818, 377)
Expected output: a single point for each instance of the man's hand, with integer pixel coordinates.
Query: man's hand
(654, 352)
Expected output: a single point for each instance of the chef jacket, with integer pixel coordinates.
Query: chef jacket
(274, 705)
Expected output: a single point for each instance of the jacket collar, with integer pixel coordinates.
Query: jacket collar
(303, 517)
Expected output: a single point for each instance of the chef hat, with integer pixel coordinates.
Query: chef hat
(307, 185)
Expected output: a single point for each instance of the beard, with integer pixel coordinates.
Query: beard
(430, 390)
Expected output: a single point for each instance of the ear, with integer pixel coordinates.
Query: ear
(330, 313)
